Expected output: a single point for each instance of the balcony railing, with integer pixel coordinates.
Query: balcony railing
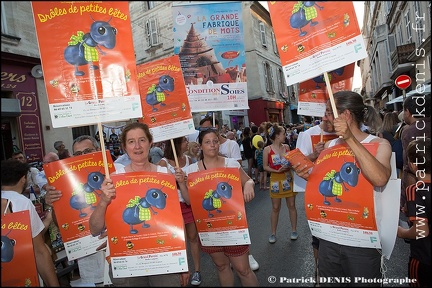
(400, 55)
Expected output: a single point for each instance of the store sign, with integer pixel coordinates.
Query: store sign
(30, 127)
(16, 78)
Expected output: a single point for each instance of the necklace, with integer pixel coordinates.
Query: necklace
(205, 168)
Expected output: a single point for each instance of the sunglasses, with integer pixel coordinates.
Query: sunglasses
(201, 129)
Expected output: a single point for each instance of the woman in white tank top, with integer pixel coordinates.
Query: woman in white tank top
(136, 140)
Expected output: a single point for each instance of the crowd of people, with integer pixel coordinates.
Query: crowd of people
(214, 146)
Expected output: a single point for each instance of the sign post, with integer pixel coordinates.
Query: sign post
(403, 82)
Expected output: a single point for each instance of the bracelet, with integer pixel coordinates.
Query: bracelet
(250, 180)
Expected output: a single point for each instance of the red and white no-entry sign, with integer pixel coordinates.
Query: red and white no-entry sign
(403, 82)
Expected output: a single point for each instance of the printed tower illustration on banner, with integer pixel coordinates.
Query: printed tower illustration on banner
(199, 62)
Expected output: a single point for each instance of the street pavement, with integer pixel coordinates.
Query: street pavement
(288, 258)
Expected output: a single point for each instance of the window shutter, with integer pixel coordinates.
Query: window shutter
(152, 33)
(271, 84)
(275, 48)
(392, 42)
(266, 76)
(263, 34)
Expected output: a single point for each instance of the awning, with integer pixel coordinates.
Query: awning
(400, 98)
(10, 107)
(397, 99)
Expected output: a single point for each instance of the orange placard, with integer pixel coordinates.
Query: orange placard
(79, 178)
(303, 28)
(86, 49)
(164, 100)
(218, 206)
(88, 61)
(145, 226)
(314, 37)
(18, 264)
(145, 217)
(337, 192)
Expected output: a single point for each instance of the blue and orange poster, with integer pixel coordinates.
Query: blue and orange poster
(218, 207)
(339, 201)
(79, 178)
(314, 37)
(88, 61)
(18, 264)
(145, 226)
(314, 94)
(164, 100)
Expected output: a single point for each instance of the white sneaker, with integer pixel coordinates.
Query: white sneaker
(196, 278)
(253, 263)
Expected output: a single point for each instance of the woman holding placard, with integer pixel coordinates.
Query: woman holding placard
(223, 256)
(136, 140)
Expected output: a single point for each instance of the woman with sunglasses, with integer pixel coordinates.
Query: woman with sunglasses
(223, 256)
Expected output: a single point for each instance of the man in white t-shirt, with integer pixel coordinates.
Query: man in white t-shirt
(305, 145)
(13, 181)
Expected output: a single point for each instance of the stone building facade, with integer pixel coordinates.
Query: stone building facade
(26, 121)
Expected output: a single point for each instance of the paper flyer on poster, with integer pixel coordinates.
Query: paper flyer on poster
(164, 100)
(79, 178)
(209, 39)
(339, 201)
(145, 226)
(315, 37)
(88, 61)
(219, 212)
(296, 156)
(16, 249)
(300, 183)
